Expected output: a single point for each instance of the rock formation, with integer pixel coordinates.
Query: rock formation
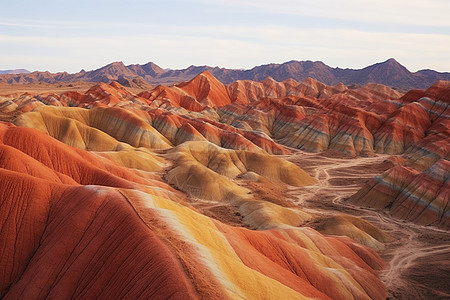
(76, 225)
(103, 193)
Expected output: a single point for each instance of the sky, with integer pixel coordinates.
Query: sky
(55, 35)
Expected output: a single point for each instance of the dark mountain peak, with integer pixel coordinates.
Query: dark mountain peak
(193, 67)
(116, 64)
(304, 62)
(391, 61)
(149, 68)
(154, 67)
(111, 72)
(390, 64)
(389, 72)
(195, 70)
(390, 67)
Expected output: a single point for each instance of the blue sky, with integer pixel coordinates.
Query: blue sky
(68, 36)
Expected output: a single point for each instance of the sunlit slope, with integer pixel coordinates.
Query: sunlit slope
(94, 129)
(206, 171)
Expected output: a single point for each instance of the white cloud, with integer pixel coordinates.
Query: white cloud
(408, 12)
(226, 46)
(20, 24)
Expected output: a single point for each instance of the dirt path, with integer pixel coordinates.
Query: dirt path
(418, 258)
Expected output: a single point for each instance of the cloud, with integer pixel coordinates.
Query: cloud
(21, 24)
(408, 12)
(227, 46)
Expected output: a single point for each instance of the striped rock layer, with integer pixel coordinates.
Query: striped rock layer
(100, 190)
(418, 189)
(76, 224)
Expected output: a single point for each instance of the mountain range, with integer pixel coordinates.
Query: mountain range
(389, 72)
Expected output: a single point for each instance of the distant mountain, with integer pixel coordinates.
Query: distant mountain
(16, 71)
(390, 73)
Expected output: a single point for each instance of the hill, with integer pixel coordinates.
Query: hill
(254, 190)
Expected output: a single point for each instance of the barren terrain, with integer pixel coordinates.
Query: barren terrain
(419, 257)
(240, 155)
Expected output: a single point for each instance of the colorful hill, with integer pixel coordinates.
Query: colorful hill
(93, 228)
(418, 189)
(182, 191)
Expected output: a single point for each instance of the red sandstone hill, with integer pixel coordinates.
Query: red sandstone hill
(183, 191)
